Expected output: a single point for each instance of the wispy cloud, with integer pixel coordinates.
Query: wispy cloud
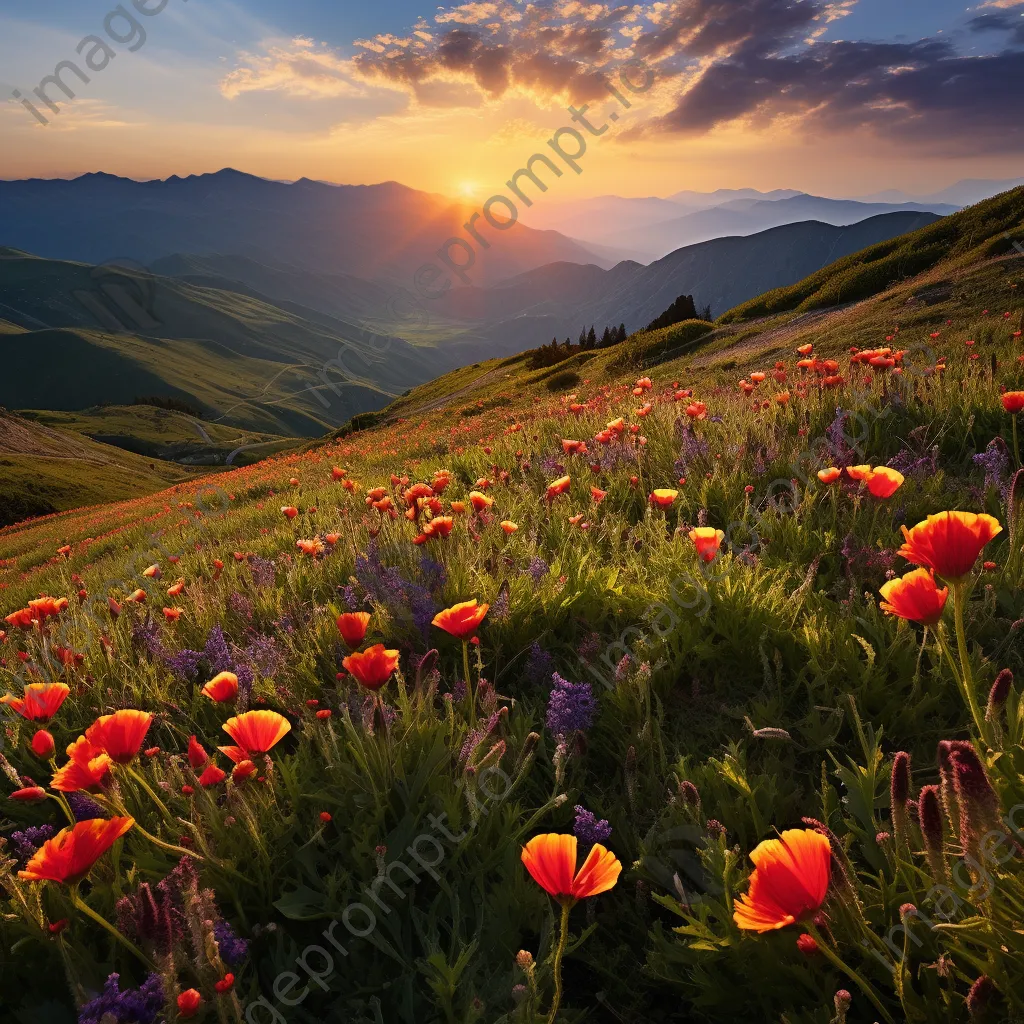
(299, 67)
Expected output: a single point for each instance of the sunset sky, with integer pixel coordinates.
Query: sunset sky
(840, 98)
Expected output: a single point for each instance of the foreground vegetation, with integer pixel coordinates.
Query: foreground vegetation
(683, 654)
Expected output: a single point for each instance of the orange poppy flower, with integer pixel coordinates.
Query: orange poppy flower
(805, 350)
(45, 607)
(663, 497)
(41, 701)
(69, 856)
(560, 486)
(480, 501)
(290, 511)
(439, 526)
(338, 474)
(789, 882)
(121, 734)
(697, 411)
(758, 377)
(256, 732)
(830, 475)
(916, 597)
(949, 542)
(172, 614)
(551, 861)
(707, 541)
(1013, 402)
(197, 756)
(458, 507)
(243, 769)
(461, 620)
(352, 627)
(598, 495)
(312, 547)
(137, 596)
(152, 573)
(884, 482)
(617, 425)
(858, 473)
(373, 667)
(175, 590)
(222, 687)
(212, 776)
(87, 769)
(509, 527)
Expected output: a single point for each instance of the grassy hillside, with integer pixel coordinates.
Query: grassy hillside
(679, 709)
(91, 336)
(45, 470)
(165, 434)
(963, 238)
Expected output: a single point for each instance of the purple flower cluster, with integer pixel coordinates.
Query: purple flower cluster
(27, 841)
(995, 461)
(691, 447)
(113, 1006)
(571, 706)
(539, 664)
(537, 569)
(386, 585)
(233, 950)
(840, 451)
(589, 829)
(84, 808)
(263, 572)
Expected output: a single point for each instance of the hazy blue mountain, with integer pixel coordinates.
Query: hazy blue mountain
(374, 232)
(559, 299)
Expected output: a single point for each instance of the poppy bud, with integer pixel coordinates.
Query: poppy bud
(56, 927)
(899, 791)
(929, 816)
(325, 816)
(998, 694)
(806, 944)
(225, 984)
(42, 744)
(524, 959)
(188, 1003)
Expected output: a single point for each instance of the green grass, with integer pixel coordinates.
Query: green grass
(732, 699)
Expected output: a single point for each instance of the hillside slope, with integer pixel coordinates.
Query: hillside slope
(45, 470)
(90, 336)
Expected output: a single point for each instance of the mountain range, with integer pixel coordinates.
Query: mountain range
(269, 306)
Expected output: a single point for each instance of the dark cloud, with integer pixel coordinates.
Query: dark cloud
(1011, 23)
(752, 61)
(912, 91)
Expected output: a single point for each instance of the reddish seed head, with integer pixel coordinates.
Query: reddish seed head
(325, 816)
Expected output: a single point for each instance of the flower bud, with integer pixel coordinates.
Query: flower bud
(980, 998)
(842, 1002)
(899, 792)
(43, 745)
(998, 694)
(979, 802)
(929, 816)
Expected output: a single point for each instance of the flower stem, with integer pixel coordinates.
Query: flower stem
(138, 777)
(563, 938)
(84, 907)
(469, 684)
(959, 601)
(837, 962)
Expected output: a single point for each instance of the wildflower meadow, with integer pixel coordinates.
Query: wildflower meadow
(661, 684)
